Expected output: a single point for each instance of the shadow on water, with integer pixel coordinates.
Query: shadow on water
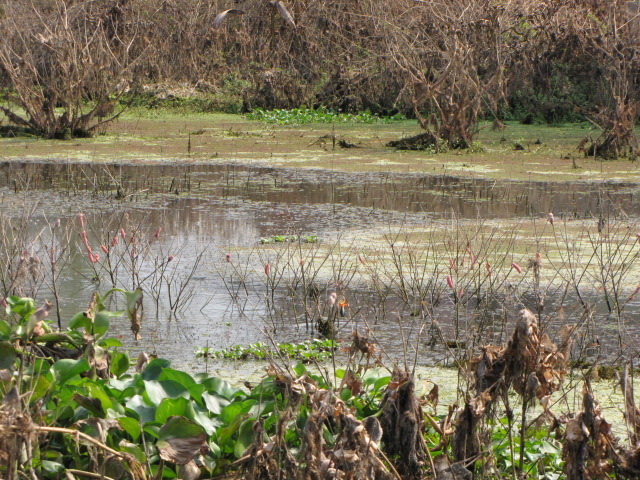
(210, 209)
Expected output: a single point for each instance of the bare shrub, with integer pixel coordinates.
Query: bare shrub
(67, 65)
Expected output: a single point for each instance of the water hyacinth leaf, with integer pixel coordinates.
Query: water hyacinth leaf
(55, 337)
(196, 391)
(134, 450)
(236, 409)
(201, 416)
(65, 369)
(154, 368)
(109, 342)
(131, 426)
(145, 412)
(245, 438)
(221, 387)
(101, 323)
(52, 467)
(180, 439)
(182, 378)
(41, 387)
(225, 434)
(214, 403)
(92, 404)
(98, 392)
(80, 320)
(7, 356)
(5, 330)
(170, 407)
(158, 390)
(120, 363)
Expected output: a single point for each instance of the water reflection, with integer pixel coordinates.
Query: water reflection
(207, 210)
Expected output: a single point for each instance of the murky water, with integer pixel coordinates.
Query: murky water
(199, 299)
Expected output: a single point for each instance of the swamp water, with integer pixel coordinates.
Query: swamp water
(206, 212)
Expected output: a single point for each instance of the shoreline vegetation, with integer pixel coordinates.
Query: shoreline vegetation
(532, 312)
(157, 136)
(75, 406)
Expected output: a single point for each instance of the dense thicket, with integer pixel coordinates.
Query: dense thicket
(445, 62)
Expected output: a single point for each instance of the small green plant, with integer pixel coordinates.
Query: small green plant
(288, 238)
(307, 351)
(302, 115)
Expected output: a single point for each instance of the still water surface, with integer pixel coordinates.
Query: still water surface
(207, 211)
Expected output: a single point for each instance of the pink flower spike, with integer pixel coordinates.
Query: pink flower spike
(228, 257)
(450, 282)
(460, 293)
(114, 242)
(267, 269)
(550, 218)
(170, 257)
(157, 234)
(123, 234)
(51, 254)
(361, 260)
(84, 237)
(4, 302)
(517, 267)
(452, 264)
(81, 219)
(104, 249)
(489, 269)
(302, 262)
(58, 223)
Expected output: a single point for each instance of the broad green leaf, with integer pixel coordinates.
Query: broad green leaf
(5, 330)
(157, 391)
(182, 378)
(236, 409)
(92, 404)
(214, 402)
(40, 387)
(145, 412)
(52, 467)
(101, 323)
(65, 369)
(221, 387)
(245, 438)
(131, 426)
(154, 368)
(224, 434)
(98, 391)
(80, 320)
(170, 407)
(345, 394)
(7, 356)
(196, 390)
(120, 363)
(134, 450)
(109, 342)
(201, 416)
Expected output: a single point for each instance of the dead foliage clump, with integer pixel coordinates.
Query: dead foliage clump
(355, 454)
(530, 363)
(402, 421)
